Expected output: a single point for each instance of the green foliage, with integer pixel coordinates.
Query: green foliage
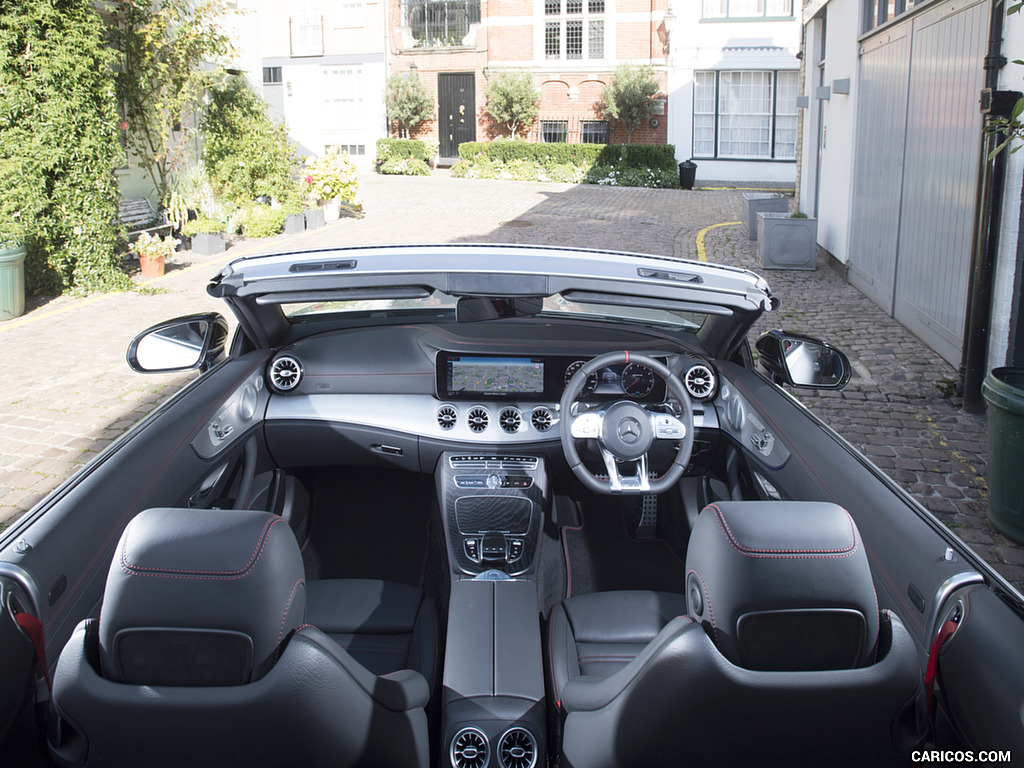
(513, 99)
(407, 102)
(153, 247)
(263, 221)
(655, 156)
(388, 149)
(522, 169)
(332, 176)
(166, 49)
(405, 166)
(629, 96)
(200, 225)
(59, 145)
(245, 152)
(625, 176)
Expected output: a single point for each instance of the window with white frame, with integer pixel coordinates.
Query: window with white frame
(348, 13)
(307, 28)
(343, 96)
(747, 9)
(746, 114)
(574, 29)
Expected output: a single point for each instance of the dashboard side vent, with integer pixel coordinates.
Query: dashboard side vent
(285, 373)
(542, 419)
(699, 382)
(477, 418)
(517, 749)
(469, 749)
(510, 420)
(447, 416)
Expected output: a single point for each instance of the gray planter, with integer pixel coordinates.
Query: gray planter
(314, 218)
(785, 243)
(758, 202)
(294, 224)
(208, 243)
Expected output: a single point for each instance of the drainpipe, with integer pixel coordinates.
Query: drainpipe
(988, 207)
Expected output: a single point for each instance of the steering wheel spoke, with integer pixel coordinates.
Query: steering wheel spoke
(620, 483)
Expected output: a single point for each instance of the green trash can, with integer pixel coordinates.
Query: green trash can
(1003, 389)
(12, 281)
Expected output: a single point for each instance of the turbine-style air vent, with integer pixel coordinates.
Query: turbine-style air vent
(469, 749)
(477, 418)
(285, 373)
(542, 419)
(510, 420)
(699, 382)
(517, 749)
(447, 416)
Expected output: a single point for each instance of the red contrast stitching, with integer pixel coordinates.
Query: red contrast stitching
(284, 616)
(813, 554)
(707, 601)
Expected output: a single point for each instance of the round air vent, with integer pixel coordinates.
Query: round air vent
(447, 416)
(510, 420)
(517, 749)
(477, 418)
(285, 373)
(469, 749)
(700, 382)
(542, 419)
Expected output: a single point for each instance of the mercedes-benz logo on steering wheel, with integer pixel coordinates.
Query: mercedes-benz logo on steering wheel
(629, 430)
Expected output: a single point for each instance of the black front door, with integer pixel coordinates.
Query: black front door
(456, 110)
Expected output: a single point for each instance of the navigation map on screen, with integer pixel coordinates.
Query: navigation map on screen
(495, 375)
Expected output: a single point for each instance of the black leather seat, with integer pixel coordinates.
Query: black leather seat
(777, 654)
(204, 654)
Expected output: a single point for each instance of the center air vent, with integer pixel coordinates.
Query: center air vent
(469, 749)
(447, 416)
(699, 382)
(542, 419)
(517, 749)
(477, 418)
(510, 420)
(285, 373)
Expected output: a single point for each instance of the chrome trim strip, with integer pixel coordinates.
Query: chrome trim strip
(945, 590)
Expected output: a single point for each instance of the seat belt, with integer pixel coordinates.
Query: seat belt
(933, 663)
(33, 627)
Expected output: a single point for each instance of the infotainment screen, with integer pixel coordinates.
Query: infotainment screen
(493, 376)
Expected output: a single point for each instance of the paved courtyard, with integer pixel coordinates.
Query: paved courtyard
(67, 393)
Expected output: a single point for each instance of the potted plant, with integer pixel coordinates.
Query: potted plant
(787, 241)
(153, 252)
(332, 182)
(207, 235)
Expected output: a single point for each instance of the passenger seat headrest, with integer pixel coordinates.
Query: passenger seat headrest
(782, 585)
(200, 597)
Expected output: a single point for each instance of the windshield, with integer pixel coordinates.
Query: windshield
(445, 304)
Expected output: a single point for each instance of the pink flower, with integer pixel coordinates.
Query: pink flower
(124, 125)
(309, 179)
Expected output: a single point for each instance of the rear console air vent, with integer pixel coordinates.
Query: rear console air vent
(285, 373)
(477, 418)
(469, 749)
(700, 382)
(517, 749)
(542, 419)
(447, 416)
(510, 420)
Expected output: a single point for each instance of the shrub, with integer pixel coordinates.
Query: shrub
(407, 166)
(388, 149)
(263, 221)
(332, 176)
(202, 224)
(152, 247)
(513, 99)
(629, 97)
(620, 176)
(407, 102)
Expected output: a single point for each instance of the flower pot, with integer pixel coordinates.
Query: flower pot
(151, 268)
(332, 210)
(314, 218)
(761, 202)
(294, 223)
(787, 243)
(12, 281)
(207, 243)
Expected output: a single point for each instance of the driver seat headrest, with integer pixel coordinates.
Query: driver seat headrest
(200, 597)
(782, 585)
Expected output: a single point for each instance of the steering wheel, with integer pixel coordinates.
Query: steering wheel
(625, 430)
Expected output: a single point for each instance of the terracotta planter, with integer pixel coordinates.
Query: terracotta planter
(151, 268)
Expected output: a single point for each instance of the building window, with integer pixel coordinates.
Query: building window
(878, 12)
(351, 149)
(271, 75)
(307, 28)
(554, 131)
(343, 96)
(745, 115)
(748, 9)
(573, 29)
(440, 23)
(594, 131)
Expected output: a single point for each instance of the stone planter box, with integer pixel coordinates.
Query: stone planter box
(785, 243)
(757, 202)
(208, 243)
(294, 224)
(314, 218)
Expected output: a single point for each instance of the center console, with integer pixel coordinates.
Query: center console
(492, 508)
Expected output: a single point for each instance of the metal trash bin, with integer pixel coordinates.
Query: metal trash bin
(12, 281)
(687, 174)
(1003, 390)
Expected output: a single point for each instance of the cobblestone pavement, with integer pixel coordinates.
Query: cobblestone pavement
(67, 393)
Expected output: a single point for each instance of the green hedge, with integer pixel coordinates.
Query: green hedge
(399, 149)
(654, 156)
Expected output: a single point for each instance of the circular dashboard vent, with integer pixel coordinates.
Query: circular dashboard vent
(285, 373)
(447, 416)
(517, 749)
(510, 420)
(477, 418)
(469, 749)
(699, 381)
(542, 419)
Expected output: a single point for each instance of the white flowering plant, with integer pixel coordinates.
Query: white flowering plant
(152, 247)
(331, 176)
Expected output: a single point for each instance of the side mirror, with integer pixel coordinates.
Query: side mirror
(802, 361)
(195, 341)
